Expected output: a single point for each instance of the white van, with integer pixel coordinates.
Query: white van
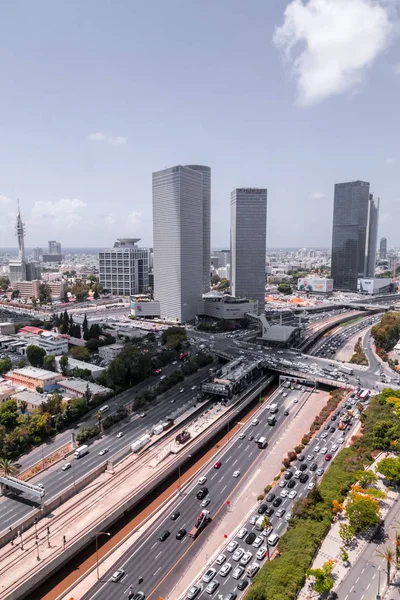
(273, 539)
(104, 408)
(162, 377)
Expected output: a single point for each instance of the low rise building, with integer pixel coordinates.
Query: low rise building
(374, 285)
(33, 399)
(6, 390)
(145, 308)
(108, 353)
(30, 289)
(32, 377)
(73, 363)
(221, 306)
(7, 328)
(77, 387)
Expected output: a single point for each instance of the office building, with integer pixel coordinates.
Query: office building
(383, 249)
(54, 247)
(32, 377)
(33, 271)
(248, 244)
(354, 235)
(181, 225)
(37, 254)
(124, 269)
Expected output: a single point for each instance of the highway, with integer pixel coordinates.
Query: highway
(152, 559)
(55, 480)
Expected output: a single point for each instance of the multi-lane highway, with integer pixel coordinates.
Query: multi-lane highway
(152, 559)
(55, 480)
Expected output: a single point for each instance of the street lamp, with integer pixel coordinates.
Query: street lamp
(97, 550)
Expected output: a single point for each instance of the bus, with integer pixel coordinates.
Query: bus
(364, 395)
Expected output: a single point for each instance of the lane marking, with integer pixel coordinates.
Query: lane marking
(159, 554)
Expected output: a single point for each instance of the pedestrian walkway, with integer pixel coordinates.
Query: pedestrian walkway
(330, 547)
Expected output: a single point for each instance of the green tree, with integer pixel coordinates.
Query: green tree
(64, 364)
(366, 478)
(5, 365)
(323, 581)
(15, 294)
(4, 283)
(215, 279)
(85, 328)
(397, 547)
(35, 355)
(45, 296)
(388, 554)
(346, 533)
(7, 468)
(80, 353)
(49, 362)
(65, 322)
(285, 288)
(390, 468)
(344, 555)
(80, 290)
(23, 405)
(362, 512)
(224, 284)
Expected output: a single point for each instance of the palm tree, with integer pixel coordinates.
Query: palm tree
(389, 555)
(7, 467)
(23, 405)
(397, 547)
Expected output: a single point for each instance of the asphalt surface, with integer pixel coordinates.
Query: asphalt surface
(158, 562)
(55, 480)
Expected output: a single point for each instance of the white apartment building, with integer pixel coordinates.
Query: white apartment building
(108, 353)
(124, 269)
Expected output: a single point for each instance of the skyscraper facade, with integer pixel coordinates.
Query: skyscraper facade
(181, 229)
(54, 247)
(124, 269)
(248, 243)
(383, 249)
(354, 234)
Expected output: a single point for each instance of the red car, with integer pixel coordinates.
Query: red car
(157, 371)
(217, 464)
(328, 456)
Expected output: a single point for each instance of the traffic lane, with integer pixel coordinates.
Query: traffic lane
(189, 509)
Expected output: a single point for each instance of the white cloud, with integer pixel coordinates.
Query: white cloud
(100, 136)
(4, 200)
(317, 195)
(110, 219)
(330, 43)
(389, 161)
(135, 218)
(65, 212)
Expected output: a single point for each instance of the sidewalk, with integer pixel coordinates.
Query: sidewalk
(330, 548)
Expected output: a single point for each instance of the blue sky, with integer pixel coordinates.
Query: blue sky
(292, 96)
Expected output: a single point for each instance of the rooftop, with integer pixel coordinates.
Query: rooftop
(30, 397)
(34, 372)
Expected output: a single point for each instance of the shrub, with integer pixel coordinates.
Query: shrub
(260, 497)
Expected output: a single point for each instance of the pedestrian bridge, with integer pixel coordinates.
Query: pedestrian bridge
(22, 486)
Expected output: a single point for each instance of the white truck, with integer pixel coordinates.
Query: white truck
(273, 408)
(81, 451)
(157, 429)
(259, 525)
(140, 443)
(346, 370)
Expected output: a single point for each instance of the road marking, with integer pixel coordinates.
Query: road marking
(153, 546)
(357, 580)
(159, 569)
(222, 477)
(352, 588)
(234, 463)
(213, 476)
(368, 586)
(224, 488)
(159, 554)
(374, 576)
(363, 570)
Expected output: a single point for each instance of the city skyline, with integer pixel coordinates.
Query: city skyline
(90, 162)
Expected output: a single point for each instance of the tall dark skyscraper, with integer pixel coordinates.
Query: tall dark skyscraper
(355, 234)
(383, 249)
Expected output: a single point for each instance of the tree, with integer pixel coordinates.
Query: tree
(23, 405)
(80, 290)
(85, 328)
(397, 547)
(346, 533)
(80, 353)
(4, 283)
(64, 364)
(366, 478)
(5, 365)
(7, 467)
(14, 294)
(344, 555)
(215, 279)
(285, 288)
(35, 355)
(70, 325)
(337, 507)
(362, 512)
(323, 577)
(99, 416)
(223, 284)
(389, 555)
(65, 322)
(390, 468)
(45, 296)
(49, 362)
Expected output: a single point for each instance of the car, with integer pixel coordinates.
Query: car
(258, 541)
(225, 569)
(327, 427)
(220, 559)
(304, 477)
(202, 480)
(310, 457)
(340, 440)
(172, 401)
(231, 596)
(253, 519)
(333, 418)
(205, 502)
(301, 457)
(251, 437)
(242, 533)
(320, 471)
(120, 434)
(324, 450)
(40, 485)
(288, 475)
(142, 414)
(297, 475)
(242, 436)
(181, 390)
(324, 434)
(250, 537)
(175, 515)
(311, 486)
(246, 558)
(236, 473)
(280, 512)
(270, 497)
(295, 400)
(303, 468)
(231, 547)
(209, 574)
(273, 539)
(157, 371)
(328, 457)
(237, 555)
(282, 484)
(277, 502)
(117, 575)
(193, 592)
(139, 596)
(164, 535)
(317, 449)
(332, 429)
(292, 494)
(284, 493)
(237, 572)
(334, 447)
(291, 484)
(202, 493)
(66, 466)
(286, 413)
(242, 585)
(288, 516)
(313, 467)
(270, 511)
(212, 586)
(266, 532)
(180, 534)
(261, 553)
(255, 422)
(262, 508)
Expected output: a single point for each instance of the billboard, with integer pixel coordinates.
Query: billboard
(373, 285)
(315, 285)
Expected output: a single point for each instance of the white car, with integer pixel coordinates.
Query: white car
(324, 435)
(340, 440)
(316, 449)
(232, 546)
(324, 450)
(292, 494)
(334, 448)
(295, 400)
(242, 436)
(261, 553)
(288, 516)
(258, 541)
(310, 457)
(221, 559)
(205, 502)
(237, 555)
(253, 519)
(225, 569)
(120, 434)
(255, 422)
(181, 390)
(284, 394)
(208, 575)
(284, 493)
(311, 486)
(236, 474)
(66, 466)
(238, 572)
(202, 480)
(283, 483)
(242, 533)
(194, 387)
(246, 558)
